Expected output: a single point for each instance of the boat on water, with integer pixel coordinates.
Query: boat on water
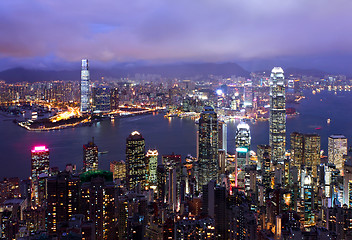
(328, 121)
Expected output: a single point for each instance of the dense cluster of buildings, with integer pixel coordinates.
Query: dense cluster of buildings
(275, 193)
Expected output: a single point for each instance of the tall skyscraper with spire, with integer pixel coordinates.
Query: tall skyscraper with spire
(85, 87)
(208, 146)
(277, 120)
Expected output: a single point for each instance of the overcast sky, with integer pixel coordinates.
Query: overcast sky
(254, 33)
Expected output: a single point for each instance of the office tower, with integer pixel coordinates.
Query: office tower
(114, 98)
(277, 116)
(209, 199)
(264, 158)
(152, 162)
(161, 182)
(40, 168)
(243, 143)
(85, 87)
(173, 198)
(135, 161)
(261, 151)
(118, 169)
(222, 135)
(101, 99)
(308, 201)
(305, 150)
(63, 199)
(337, 147)
(347, 184)
(248, 94)
(208, 146)
(90, 156)
(222, 161)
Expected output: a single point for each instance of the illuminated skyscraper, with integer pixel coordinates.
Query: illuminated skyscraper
(248, 94)
(305, 150)
(114, 98)
(277, 120)
(101, 99)
(208, 146)
(63, 199)
(136, 167)
(90, 156)
(152, 161)
(308, 201)
(40, 167)
(118, 169)
(337, 147)
(243, 143)
(98, 201)
(264, 159)
(222, 127)
(85, 87)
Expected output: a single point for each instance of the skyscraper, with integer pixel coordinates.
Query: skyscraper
(85, 87)
(40, 167)
(135, 161)
(337, 147)
(152, 161)
(208, 146)
(277, 120)
(118, 169)
(63, 199)
(101, 99)
(305, 150)
(114, 98)
(98, 201)
(243, 143)
(222, 135)
(90, 156)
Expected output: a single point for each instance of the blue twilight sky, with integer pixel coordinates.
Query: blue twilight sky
(52, 34)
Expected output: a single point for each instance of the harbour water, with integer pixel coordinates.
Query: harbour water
(165, 135)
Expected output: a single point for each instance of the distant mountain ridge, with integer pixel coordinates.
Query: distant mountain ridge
(172, 70)
(186, 70)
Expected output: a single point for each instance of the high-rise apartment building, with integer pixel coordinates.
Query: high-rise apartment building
(337, 148)
(85, 87)
(90, 157)
(136, 167)
(62, 200)
(98, 200)
(208, 146)
(39, 168)
(277, 117)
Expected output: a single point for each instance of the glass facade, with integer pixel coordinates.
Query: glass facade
(208, 146)
(277, 117)
(85, 87)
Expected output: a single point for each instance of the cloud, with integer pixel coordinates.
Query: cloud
(183, 30)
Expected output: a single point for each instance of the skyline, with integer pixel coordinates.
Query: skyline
(56, 35)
